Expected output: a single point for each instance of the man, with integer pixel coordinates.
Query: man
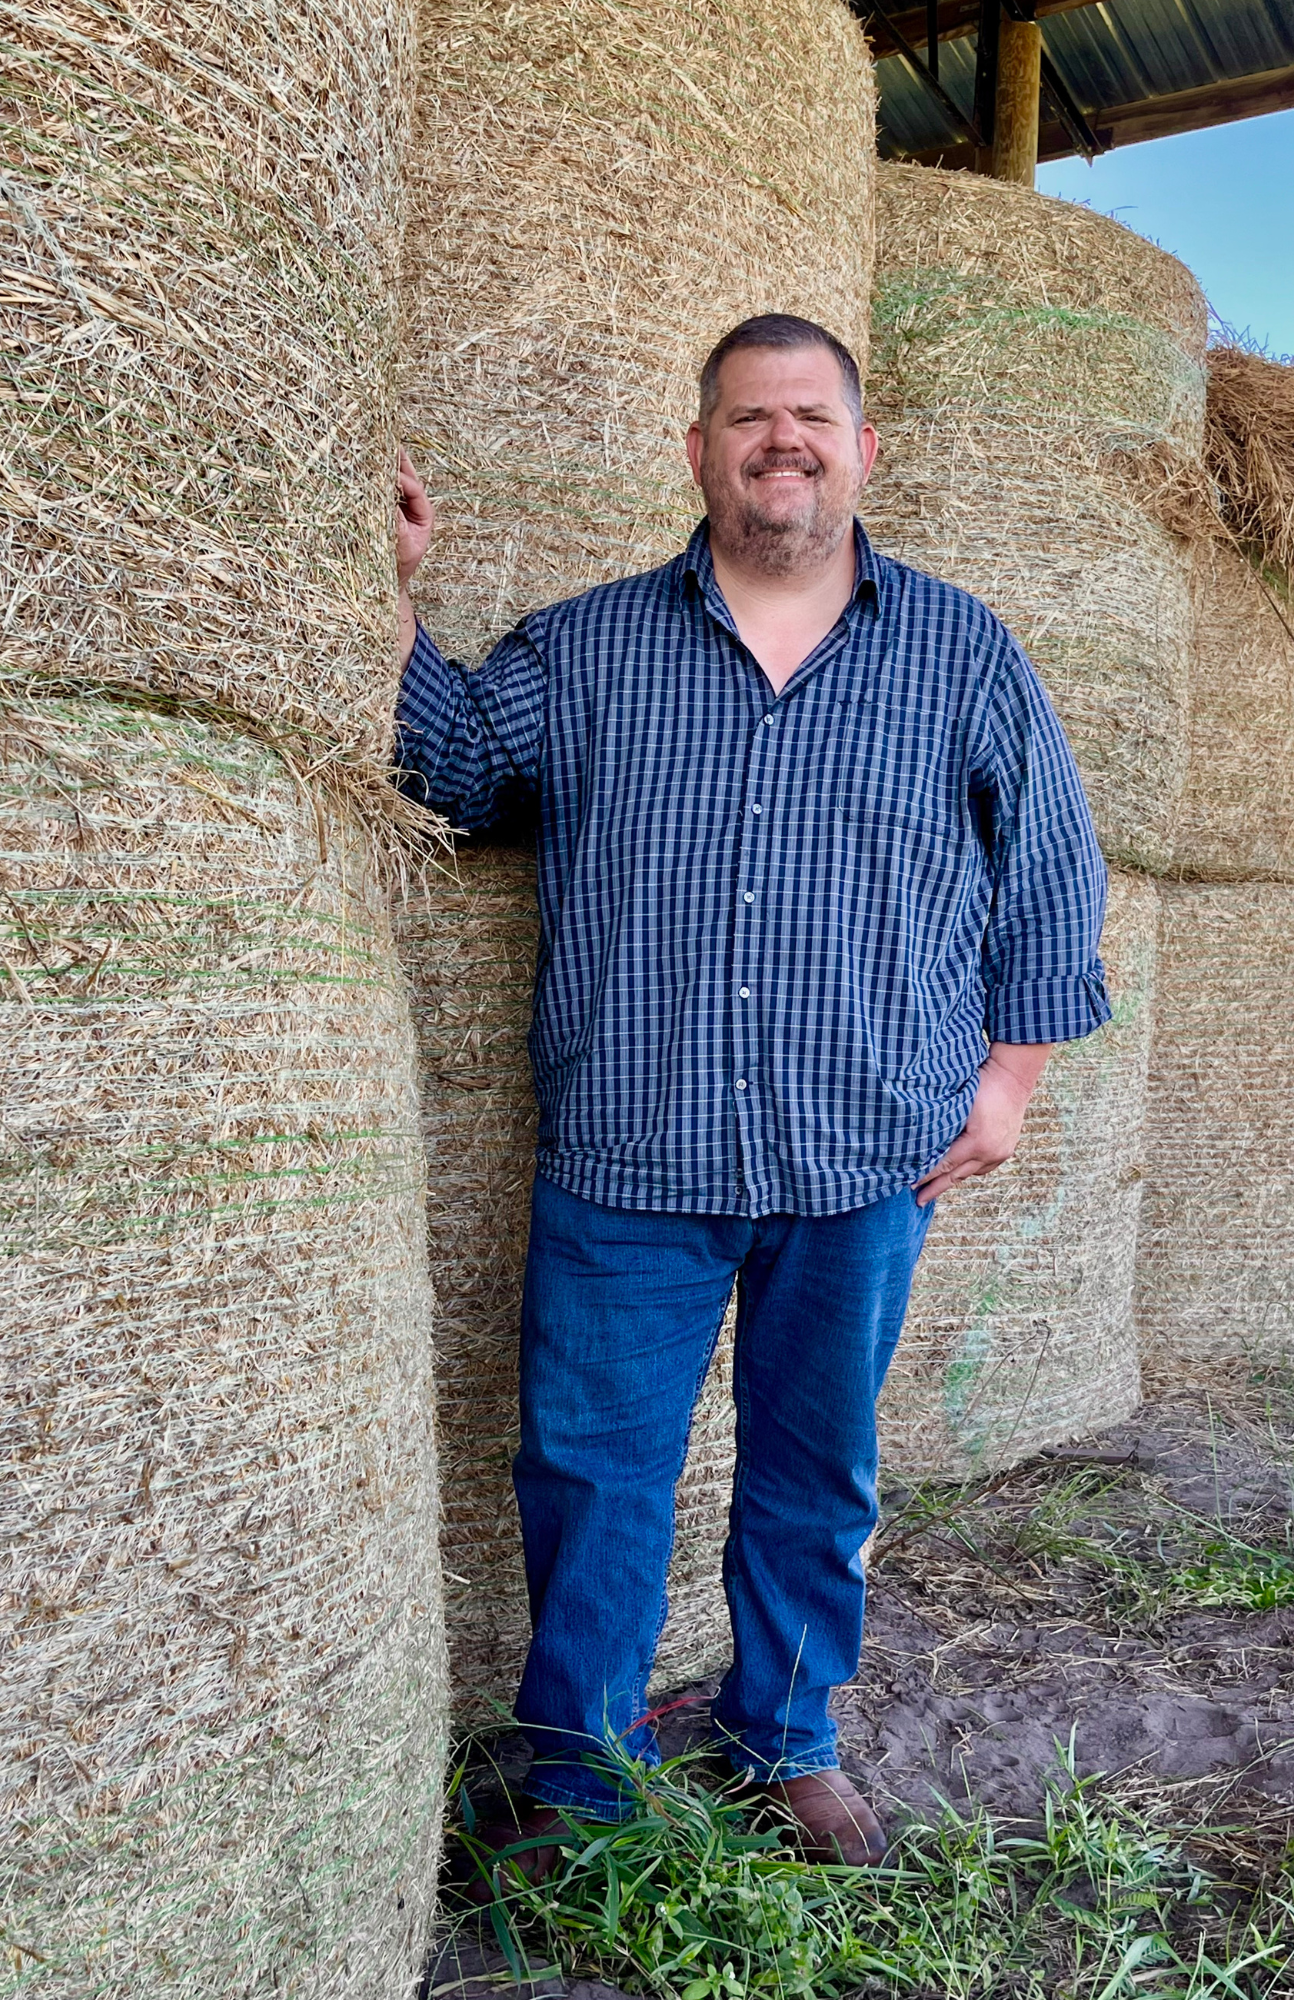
(818, 890)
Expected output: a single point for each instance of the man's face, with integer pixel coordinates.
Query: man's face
(781, 461)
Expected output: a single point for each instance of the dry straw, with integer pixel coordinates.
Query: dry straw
(474, 940)
(1250, 449)
(599, 190)
(1020, 1333)
(1237, 813)
(1036, 379)
(224, 1678)
(196, 463)
(1215, 1264)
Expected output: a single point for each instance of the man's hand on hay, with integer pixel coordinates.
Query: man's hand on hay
(992, 1132)
(414, 522)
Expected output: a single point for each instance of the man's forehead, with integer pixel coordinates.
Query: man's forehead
(793, 374)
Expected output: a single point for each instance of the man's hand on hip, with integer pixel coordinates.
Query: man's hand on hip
(992, 1132)
(414, 523)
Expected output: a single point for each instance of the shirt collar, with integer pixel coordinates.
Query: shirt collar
(698, 565)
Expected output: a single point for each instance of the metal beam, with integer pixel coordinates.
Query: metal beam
(867, 11)
(986, 37)
(1150, 118)
(1194, 110)
(956, 18)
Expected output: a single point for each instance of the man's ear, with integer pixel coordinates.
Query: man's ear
(695, 447)
(868, 444)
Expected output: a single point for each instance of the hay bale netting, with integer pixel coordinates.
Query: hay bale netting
(1215, 1262)
(1236, 820)
(598, 190)
(1037, 381)
(224, 1683)
(474, 940)
(1020, 1333)
(201, 230)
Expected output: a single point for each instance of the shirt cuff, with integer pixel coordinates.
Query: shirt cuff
(1048, 1010)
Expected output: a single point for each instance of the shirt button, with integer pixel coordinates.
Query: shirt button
(748, 897)
(757, 809)
(768, 722)
(741, 1083)
(744, 992)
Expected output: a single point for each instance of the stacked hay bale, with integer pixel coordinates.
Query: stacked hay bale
(1032, 364)
(473, 937)
(1037, 383)
(1020, 1330)
(224, 1676)
(1216, 1279)
(598, 192)
(1236, 821)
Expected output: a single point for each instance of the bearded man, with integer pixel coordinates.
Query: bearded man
(818, 891)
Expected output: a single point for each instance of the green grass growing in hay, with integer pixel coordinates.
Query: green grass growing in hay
(1092, 1903)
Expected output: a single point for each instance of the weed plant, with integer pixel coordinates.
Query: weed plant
(686, 1899)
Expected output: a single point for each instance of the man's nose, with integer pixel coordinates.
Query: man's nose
(784, 432)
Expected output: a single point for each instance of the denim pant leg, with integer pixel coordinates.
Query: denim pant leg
(619, 1321)
(820, 1309)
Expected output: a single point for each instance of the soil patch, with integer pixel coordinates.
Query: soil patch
(1132, 1596)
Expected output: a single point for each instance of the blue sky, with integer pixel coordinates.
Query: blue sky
(1221, 200)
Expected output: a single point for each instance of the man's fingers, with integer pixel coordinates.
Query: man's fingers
(413, 494)
(950, 1172)
(961, 1150)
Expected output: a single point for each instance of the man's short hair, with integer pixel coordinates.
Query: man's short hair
(779, 330)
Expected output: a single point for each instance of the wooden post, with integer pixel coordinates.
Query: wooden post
(1015, 115)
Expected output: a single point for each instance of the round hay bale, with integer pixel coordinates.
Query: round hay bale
(1020, 1333)
(201, 245)
(1215, 1266)
(1035, 369)
(224, 1685)
(1236, 820)
(598, 190)
(470, 943)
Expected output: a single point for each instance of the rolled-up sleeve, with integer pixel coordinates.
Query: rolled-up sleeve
(1043, 978)
(469, 744)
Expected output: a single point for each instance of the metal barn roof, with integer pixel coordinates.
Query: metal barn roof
(1115, 71)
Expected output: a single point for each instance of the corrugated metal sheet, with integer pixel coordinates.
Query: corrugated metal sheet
(1113, 53)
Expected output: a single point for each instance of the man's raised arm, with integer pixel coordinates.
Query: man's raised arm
(468, 745)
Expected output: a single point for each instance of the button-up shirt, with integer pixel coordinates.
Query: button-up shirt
(775, 929)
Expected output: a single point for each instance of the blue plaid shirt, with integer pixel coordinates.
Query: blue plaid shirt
(775, 930)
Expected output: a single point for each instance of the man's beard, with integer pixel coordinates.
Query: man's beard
(777, 547)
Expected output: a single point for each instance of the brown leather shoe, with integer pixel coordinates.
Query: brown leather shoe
(833, 1820)
(529, 1821)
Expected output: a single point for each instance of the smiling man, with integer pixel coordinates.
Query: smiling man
(818, 890)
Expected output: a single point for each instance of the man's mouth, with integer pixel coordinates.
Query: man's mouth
(784, 472)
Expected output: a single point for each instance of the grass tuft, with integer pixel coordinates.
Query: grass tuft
(1093, 1902)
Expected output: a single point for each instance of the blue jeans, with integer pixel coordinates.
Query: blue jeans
(621, 1313)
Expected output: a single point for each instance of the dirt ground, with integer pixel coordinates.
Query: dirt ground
(1136, 1590)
